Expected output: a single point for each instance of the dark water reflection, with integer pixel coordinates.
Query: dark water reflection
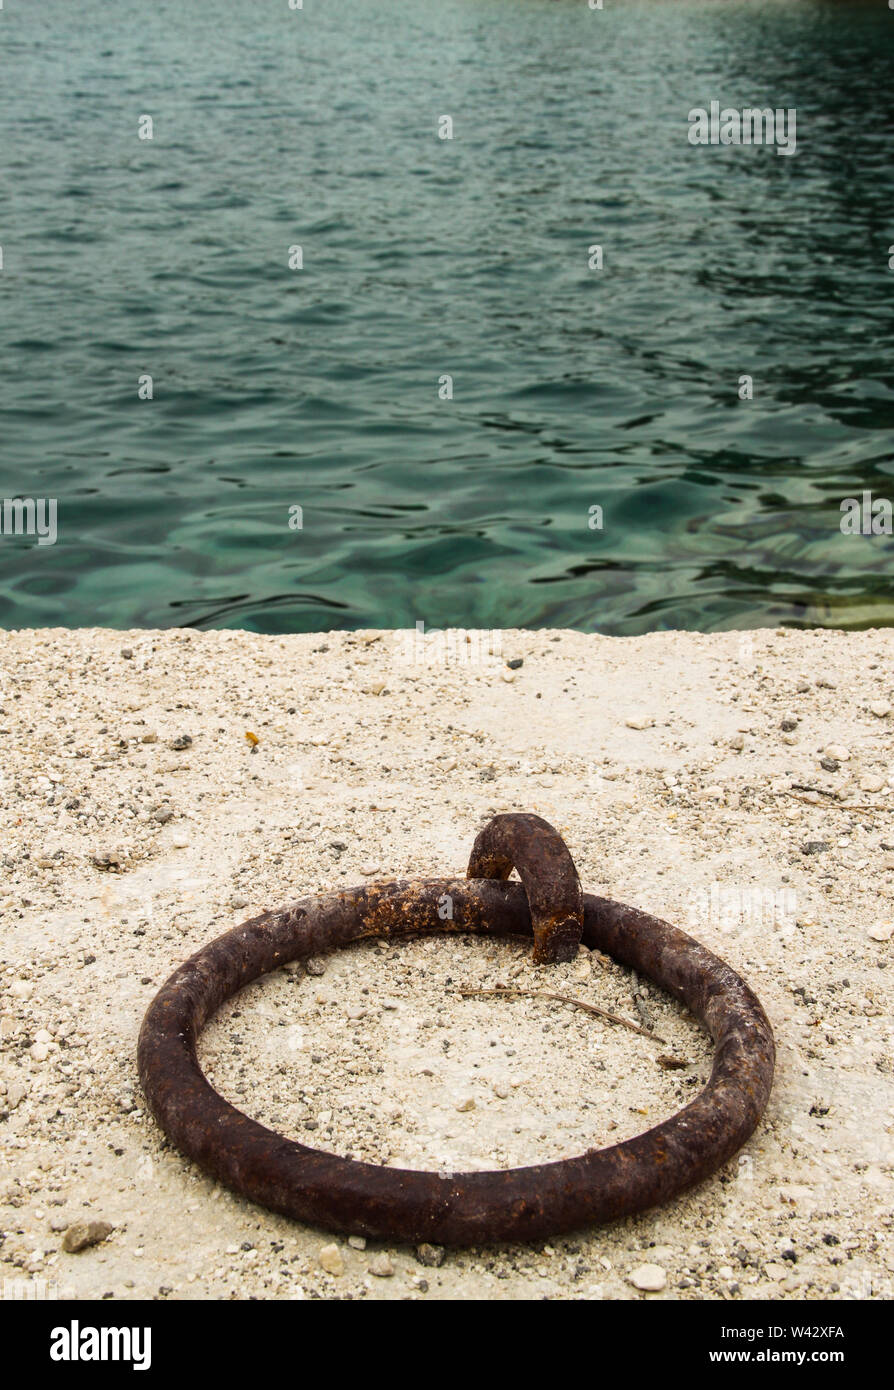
(423, 257)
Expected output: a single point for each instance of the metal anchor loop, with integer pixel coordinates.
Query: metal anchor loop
(518, 1204)
(534, 848)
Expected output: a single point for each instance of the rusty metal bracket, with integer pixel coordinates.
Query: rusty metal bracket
(536, 849)
(463, 1208)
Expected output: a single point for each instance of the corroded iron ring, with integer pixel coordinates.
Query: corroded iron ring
(464, 1208)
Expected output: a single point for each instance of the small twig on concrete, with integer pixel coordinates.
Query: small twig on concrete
(567, 999)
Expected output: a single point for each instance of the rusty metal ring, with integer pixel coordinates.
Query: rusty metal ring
(473, 1208)
(534, 848)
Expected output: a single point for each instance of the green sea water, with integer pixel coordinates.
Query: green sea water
(318, 388)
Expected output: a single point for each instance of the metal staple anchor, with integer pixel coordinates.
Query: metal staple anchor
(520, 1204)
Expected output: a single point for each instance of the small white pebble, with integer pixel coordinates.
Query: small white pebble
(331, 1260)
(649, 1278)
(15, 1094)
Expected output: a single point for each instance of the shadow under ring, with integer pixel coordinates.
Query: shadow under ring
(469, 1208)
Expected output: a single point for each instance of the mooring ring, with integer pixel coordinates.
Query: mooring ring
(472, 1208)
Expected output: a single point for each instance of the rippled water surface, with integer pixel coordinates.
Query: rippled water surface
(318, 388)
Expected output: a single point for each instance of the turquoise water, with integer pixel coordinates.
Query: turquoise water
(318, 388)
